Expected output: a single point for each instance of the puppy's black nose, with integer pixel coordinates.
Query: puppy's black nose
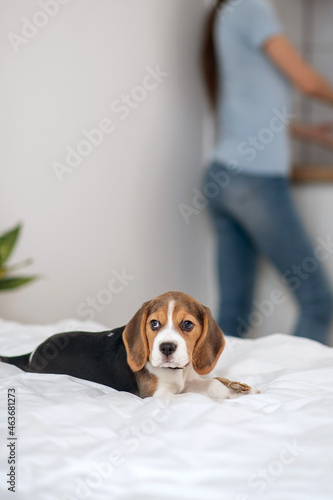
(167, 348)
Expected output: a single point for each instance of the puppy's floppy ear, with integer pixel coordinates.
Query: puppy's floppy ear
(209, 346)
(135, 340)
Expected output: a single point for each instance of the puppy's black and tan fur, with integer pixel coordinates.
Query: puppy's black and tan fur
(163, 351)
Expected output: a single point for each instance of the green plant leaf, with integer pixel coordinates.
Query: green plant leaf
(7, 243)
(12, 283)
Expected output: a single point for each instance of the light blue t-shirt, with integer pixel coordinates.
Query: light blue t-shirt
(254, 99)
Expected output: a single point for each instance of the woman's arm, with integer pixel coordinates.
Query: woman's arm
(289, 61)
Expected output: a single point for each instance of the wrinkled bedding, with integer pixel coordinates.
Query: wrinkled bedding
(80, 440)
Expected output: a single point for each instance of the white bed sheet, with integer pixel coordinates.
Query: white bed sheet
(81, 440)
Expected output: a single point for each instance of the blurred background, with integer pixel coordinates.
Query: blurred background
(110, 232)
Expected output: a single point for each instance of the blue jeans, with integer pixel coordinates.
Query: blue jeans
(253, 216)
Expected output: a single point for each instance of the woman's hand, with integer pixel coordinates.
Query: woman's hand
(321, 133)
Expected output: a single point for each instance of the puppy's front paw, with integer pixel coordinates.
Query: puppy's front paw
(237, 388)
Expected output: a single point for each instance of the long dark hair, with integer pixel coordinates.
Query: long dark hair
(209, 57)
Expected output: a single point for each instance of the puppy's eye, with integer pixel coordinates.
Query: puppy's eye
(187, 326)
(155, 325)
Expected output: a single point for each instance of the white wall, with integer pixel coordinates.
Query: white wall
(119, 208)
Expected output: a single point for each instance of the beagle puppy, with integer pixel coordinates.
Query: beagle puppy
(164, 350)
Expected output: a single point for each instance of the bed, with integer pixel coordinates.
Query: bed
(80, 440)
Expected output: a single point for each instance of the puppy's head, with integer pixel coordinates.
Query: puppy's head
(172, 331)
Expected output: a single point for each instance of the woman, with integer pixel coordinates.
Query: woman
(249, 68)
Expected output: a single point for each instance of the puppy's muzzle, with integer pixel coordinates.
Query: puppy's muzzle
(167, 348)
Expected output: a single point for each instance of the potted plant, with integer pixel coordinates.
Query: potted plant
(8, 241)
